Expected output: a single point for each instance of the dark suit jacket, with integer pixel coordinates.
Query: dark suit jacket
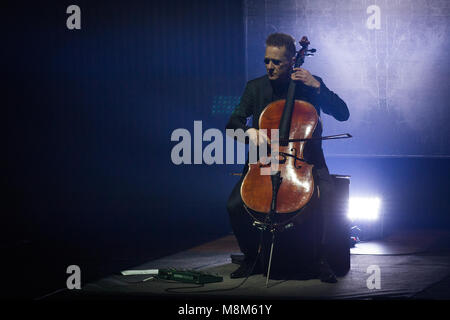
(258, 94)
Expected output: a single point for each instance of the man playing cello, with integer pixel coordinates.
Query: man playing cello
(279, 61)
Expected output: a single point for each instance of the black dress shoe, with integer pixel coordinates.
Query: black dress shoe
(326, 274)
(247, 268)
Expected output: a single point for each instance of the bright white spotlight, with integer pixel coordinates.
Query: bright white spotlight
(363, 208)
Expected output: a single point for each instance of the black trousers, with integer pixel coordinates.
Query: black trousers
(249, 237)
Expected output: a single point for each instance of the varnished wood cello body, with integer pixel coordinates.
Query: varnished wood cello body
(291, 186)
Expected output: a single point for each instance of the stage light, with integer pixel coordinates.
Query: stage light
(363, 208)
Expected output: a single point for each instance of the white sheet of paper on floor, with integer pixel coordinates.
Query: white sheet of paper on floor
(137, 272)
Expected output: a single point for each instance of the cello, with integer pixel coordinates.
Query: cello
(290, 188)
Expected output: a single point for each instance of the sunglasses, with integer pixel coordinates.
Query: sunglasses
(274, 61)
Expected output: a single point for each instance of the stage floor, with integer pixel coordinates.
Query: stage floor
(412, 264)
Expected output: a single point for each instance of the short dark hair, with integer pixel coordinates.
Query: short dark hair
(282, 40)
